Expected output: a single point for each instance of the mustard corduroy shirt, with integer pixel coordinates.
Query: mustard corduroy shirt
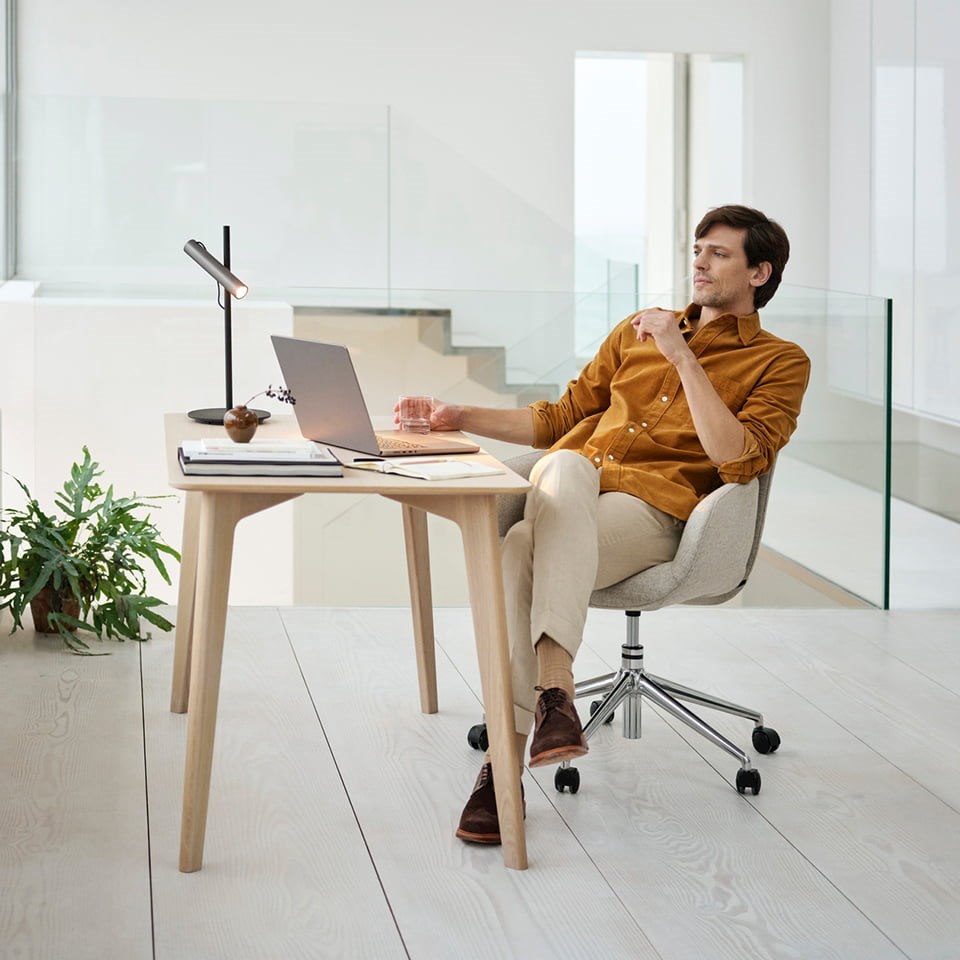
(628, 414)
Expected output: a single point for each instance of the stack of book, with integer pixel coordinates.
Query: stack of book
(258, 458)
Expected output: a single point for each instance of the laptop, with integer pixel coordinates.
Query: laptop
(330, 407)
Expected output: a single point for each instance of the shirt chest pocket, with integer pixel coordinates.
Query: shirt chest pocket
(677, 415)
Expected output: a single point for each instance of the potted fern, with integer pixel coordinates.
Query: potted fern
(82, 571)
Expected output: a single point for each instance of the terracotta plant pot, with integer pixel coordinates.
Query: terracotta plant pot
(240, 423)
(45, 603)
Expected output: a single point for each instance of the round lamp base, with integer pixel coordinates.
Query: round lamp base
(215, 415)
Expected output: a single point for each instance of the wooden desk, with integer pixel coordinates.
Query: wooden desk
(214, 506)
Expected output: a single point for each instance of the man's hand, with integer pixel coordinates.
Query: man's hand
(443, 416)
(662, 325)
(514, 425)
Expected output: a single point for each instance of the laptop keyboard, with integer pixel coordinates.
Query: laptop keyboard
(396, 443)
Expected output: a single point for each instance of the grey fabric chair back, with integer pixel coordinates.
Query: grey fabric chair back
(716, 553)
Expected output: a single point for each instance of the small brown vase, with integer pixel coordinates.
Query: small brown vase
(240, 423)
(45, 603)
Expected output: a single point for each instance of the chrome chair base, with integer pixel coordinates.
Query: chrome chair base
(631, 683)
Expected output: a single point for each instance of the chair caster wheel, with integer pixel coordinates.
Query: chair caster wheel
(595, 706)
(567, 777)
(748, 780)
(477, 737)
(765, 739)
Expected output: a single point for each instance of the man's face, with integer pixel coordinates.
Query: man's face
(722, 278)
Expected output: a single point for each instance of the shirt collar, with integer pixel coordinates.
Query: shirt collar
(748, 326)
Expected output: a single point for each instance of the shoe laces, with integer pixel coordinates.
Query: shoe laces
(484, 777)
(552, 698)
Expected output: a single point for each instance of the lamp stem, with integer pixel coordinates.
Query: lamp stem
(227, 326)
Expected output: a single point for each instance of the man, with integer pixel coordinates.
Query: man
(673, 405)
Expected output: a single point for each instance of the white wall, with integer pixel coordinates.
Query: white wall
(894, 147)
(493, 82)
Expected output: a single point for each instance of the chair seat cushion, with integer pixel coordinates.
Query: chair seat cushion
(711, 561)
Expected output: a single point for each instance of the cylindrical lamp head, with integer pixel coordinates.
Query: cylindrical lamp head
(197, 251)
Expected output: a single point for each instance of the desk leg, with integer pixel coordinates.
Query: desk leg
(180, 688)
(219, 514)
(478, 524)
(421, 603)
(477, 518)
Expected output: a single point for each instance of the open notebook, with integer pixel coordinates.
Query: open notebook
(428, 469)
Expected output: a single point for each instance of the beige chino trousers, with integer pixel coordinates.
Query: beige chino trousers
(572, 540)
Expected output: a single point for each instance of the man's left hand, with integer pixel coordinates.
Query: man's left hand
(663, 326)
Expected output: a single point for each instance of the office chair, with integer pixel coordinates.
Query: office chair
(715, 556)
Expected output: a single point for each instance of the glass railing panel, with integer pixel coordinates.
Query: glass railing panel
(304, 187)
(829, 511)
(527, 333)
(350, 196)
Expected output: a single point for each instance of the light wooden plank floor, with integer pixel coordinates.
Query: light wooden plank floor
(334, 800)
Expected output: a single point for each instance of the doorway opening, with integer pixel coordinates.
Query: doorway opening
(658, 140)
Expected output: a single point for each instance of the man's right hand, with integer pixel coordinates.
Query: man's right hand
(515, 425)
(445, 416)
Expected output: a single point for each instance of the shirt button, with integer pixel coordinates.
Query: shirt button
(664, 399)
(609, 456)
(596, 459)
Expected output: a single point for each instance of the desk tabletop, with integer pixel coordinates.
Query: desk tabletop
(180, 427)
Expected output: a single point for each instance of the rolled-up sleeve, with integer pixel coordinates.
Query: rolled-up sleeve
(769, 416)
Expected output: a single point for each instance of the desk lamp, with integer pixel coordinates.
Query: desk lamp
(232, 287)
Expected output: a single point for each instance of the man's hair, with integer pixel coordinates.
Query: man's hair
(764, 240)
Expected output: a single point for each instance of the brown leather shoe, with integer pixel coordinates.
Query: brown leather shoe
(479, 822)
(557, 734)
